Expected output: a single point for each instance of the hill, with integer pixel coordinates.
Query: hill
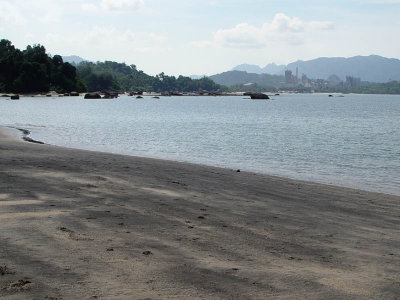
(34, 70)
(373, 68)
(272, 69)
(73, 59)
(251, 82)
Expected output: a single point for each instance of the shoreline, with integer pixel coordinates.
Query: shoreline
(355, 186)
(85, 224)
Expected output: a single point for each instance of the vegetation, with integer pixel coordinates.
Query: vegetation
(111, 75)
(255, 88)
(371, 88)
(32, 70)
(366, 88)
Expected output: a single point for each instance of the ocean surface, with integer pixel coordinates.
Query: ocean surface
(351, 141)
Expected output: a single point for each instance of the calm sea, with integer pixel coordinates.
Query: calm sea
(352, 141)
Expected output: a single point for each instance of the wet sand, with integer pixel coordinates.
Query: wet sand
(87, 225)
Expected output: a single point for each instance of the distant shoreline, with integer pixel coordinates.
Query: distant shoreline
(152, 94)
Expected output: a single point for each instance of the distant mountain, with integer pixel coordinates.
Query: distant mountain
(197, 76)
(371, 68)
(73, 59)
(272, 69)
(248, 68)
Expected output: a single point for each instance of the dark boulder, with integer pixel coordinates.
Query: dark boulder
(139, 97)
(259, 96)
(92, 96)
(14, 97)
(109, 95)
(74, 94)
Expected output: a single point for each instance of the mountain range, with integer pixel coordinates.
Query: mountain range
(272, 69)
(73, 59)
(373, 68)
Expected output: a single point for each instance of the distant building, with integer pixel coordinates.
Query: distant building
(352, 82)
(289, 77)
(305, 81)
(319, 83)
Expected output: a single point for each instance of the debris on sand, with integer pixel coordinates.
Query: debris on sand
(4, 270)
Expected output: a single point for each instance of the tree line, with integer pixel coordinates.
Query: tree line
(111, 75)
(33, 70)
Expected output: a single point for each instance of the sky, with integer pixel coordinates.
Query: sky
(203, 37)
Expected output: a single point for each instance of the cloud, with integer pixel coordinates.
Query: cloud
(122, 4)
(28, 11)
(281, 29)
(114, 5)
(11, 14)
(107, 41)
(385, 1)
(157, 37)
(97, 35)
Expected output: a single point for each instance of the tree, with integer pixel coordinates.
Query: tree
(33, 70)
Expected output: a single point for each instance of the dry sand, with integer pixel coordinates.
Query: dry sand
(86, 225)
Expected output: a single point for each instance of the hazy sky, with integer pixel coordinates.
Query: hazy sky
(203, 36)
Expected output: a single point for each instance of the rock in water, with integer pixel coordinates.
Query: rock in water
(92, 96)
(259, 96)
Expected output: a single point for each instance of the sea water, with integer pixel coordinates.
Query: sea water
(352, 141)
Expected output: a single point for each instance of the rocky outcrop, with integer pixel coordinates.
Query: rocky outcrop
(259, 96)
(110, 95)
(92, 96)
